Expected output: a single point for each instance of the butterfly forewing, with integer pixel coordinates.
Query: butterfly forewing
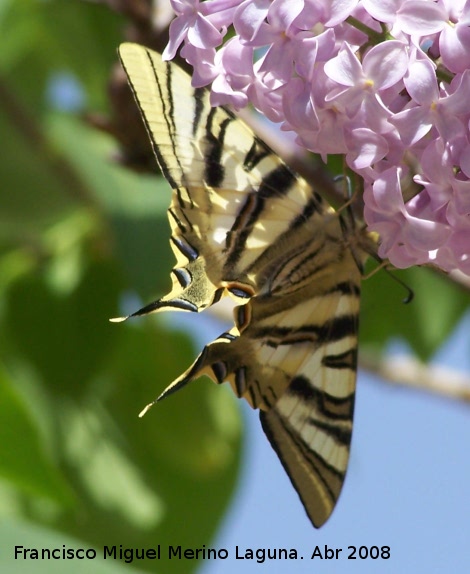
(245, 225)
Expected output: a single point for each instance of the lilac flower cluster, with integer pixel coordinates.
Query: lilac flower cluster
(384, 82)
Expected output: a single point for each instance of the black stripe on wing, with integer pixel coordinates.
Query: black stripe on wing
(168, 116)
(315, 479)
(313, 205)
(335, 329)
(257, 153)
(213, 144)
(276, 183)
(346, 360)
(336, 408)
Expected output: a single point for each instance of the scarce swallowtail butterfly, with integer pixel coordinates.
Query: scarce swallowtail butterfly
(245, 225)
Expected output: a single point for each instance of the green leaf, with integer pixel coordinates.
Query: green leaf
(31, 194)
(140, 480)
(65, 335)
(23, 458)
(42, 38)
(188, 445)
(136, 204)
(176, 466)
(425, 323)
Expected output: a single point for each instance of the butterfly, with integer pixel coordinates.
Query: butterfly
(244, 225)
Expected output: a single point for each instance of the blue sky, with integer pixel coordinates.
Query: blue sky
(407, 487)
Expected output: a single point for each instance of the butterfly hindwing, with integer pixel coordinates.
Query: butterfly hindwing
(245, 225)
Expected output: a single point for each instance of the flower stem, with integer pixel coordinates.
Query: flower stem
(373, 35)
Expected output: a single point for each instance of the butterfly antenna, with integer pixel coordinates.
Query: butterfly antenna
(383, 265)
(349, 196)
(408, 289)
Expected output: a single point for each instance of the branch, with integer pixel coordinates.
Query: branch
(409, 372)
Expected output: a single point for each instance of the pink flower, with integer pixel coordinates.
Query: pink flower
(359, 86)
(371, 92)
(250, 20)
(319, 128)
(190, 23)
(235, 75)
(454, 41)
(327, 12)
(406, 239)
(428, 109)
(383, 66)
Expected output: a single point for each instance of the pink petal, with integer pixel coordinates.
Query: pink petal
(421, 18)
(250, 17)
(454, 44)
(382, 10)
(386, 64)
(178, 31)
(412, 124)
(339, 10)
(420, 82)
(204, 34)
(366, 147)
(345, 68)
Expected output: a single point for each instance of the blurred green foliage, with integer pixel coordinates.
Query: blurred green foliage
(78, 236)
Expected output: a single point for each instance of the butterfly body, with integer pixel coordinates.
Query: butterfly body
(245, 225)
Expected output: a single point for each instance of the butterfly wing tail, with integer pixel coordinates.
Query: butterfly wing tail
(317, 475)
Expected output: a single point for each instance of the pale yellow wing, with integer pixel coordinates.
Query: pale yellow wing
(244, 224)
(293, 356)
(222, 176)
